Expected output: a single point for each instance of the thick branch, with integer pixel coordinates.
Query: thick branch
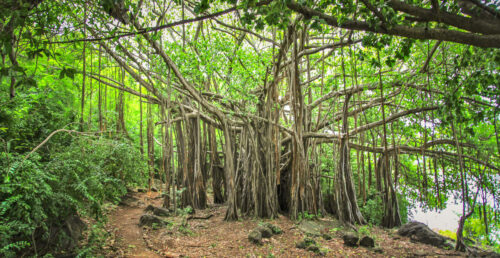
(404, 31)
(470, 24)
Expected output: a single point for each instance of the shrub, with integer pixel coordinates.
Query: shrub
(37, 197)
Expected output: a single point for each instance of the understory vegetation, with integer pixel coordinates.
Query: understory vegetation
(72, 174)
(360, 110)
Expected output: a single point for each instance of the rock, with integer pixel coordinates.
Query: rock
(73, 228)
(326, 236)
(128, 200)
(151, 220)
(313, 248)
(158, 211)
(310, 227)
(315, 228)
(419, 253)
(420, 232)
(474, 251)
(255, 237)
(350, 239)
(275, 229)
(489, 254)
(378, 250)
(141, 190)
(301, 245)
(367, 241)
(154, 189)
(264, 231)
(306, 242)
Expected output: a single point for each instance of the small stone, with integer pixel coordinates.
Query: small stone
(264, 231)
(367, 241)
(350, 239)
(275, 229)
(313, 248)
(304, 243)
(154, 189)
(301, 245)
(255, 237)
(327, 236)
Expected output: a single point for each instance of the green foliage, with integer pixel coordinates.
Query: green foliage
(37, 196)
(365, 230)
(184, 229)
(95, 241)
(448, 233)
(101, 174)
(475, 229)
(373, 209)
(305, 215)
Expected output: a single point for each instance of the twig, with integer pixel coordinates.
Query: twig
(426, 64)
(50, 136)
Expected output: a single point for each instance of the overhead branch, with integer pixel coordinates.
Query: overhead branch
(472, 24)
(157, 28)
(122, 87)
(391, 118)
(456, 36)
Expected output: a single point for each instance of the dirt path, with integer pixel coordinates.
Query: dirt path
(124, 221)
(208, 235)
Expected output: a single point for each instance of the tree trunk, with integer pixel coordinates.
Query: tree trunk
(345, 194)
(302, 194)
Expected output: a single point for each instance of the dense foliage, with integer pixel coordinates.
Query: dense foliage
(70, 174)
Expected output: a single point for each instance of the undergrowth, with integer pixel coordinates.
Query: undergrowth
(37, 197)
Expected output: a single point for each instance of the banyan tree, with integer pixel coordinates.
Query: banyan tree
(293, 107)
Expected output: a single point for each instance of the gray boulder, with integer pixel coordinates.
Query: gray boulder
(420, 232)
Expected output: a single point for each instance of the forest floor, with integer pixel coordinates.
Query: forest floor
(214, 237)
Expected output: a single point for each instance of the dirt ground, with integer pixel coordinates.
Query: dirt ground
(215, 237)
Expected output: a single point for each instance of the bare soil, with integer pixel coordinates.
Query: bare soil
(215, 237)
